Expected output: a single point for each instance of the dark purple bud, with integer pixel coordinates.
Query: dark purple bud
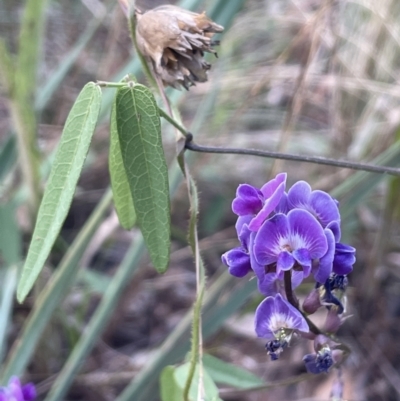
(312, 302)
(333, 321)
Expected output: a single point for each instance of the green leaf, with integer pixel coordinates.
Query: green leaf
(68, 163)
(119, 181)
(210, 389)
(169, 388)
(139, 132)
(173, 380)
(230, 375)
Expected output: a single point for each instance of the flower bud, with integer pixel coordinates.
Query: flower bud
(333, 321)
(173, 42)
(312, 302)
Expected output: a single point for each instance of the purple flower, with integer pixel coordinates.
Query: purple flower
(15, 392)
(259, 203)
(344, 259)
(290, 242)
(320, 204)
(324, 267)
(328, 353)
(320, 362)
(275, 315)
(270, 284)
(238, 262)
(238, 259)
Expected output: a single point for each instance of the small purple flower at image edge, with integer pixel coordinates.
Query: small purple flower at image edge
(15, 391)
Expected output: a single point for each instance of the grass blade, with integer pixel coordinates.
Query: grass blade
(52, 295)
(55, 80)
(98, 322)
(221, 301)
(9, 281)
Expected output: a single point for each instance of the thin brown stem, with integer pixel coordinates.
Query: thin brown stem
(290, 295)
(287, 156)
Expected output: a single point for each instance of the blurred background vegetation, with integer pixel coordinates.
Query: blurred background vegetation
(317, 77)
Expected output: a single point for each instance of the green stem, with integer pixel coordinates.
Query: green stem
(104, 84)
(196, 327)
(145, 66)
(173, 122)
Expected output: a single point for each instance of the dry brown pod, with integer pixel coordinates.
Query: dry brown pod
(173, 41)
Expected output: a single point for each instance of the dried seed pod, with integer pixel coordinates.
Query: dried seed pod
(173, 41)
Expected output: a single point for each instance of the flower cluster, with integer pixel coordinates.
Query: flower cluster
(285, 238)
(16, 392)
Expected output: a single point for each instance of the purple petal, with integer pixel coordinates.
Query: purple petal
(249, 200)
(325, 207)
(299, 194)
(334, 226)
(268, 239)
(302, 257)
(344, 259)
(269, 284)
(297, 278)
(283, 205)
(258, 268)
(29, 392)
(320, 204)
(14, 387)
(273, 195)
(285, 262)
(307, 233)
(271, 186)
(238, 262)
(324, 268)
(243, 232)
(275, 313)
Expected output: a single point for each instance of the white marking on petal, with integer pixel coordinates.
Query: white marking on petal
(279, 321)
